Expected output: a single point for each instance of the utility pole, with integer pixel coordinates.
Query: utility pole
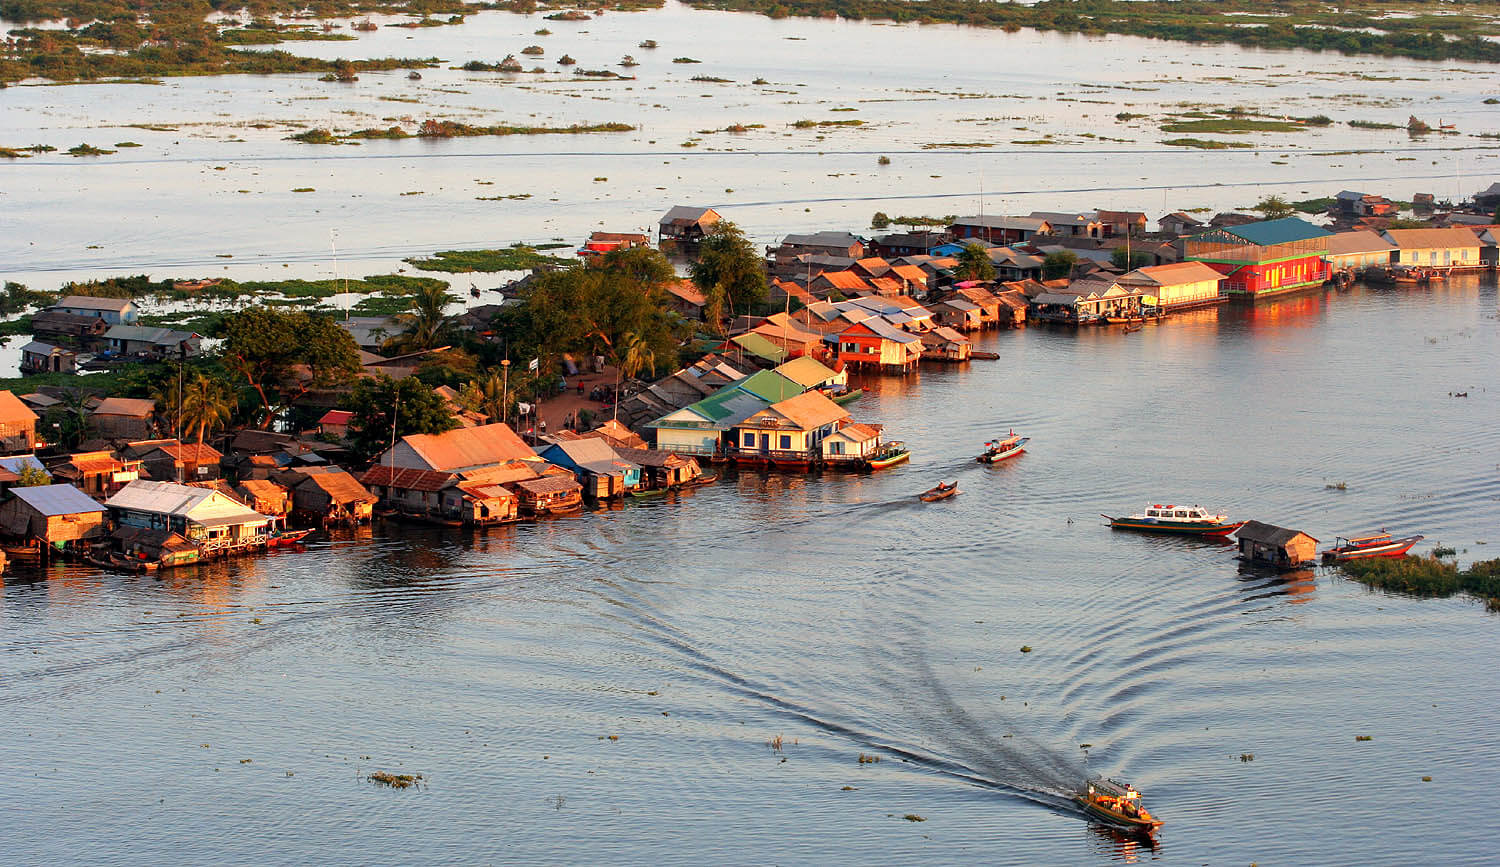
(505, 399)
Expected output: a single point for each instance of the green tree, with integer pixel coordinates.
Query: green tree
(378, 402)
(31, 477)
(974, 263)
(282, 355)
(1058, 265)
(729, 272)
(1273, 208)
(425, 323)
(1134, 259)
(636, 357)
(486, 396)
(881, 219)
(1495, 217)
(207, 404)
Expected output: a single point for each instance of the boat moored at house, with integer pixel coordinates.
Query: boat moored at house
(1380, 544)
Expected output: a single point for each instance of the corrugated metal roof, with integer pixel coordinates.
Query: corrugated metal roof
(127, 406)
(463, 448)
(769, 385)
(201, 505)
(1421, 239)
(148, 334)
(1285, 230)
(53, 500)
(16, 463)
(89, 302)
(758, 345)
(806, 371)
(12, 409)
(809, 410)
(550, 485)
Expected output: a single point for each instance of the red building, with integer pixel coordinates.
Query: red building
(1264, 258)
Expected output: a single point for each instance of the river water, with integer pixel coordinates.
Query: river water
(606, 688)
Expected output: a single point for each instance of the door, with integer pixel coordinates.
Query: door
(765, 443)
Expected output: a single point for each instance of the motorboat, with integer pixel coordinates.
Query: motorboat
(1179, 520)
(1117, 804)
(1380, 544)
(943, 491)
(1003, 448)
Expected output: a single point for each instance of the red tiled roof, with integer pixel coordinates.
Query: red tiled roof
(336, 416)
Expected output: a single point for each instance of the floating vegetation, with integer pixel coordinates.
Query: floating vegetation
(1128, 116)
(1205, 144)
(1247, 757)
(1336, 486)
(712, 79)
(88, 150)
(913, 817)
(511, 197)
(1371, 124)
(394, 781)
(534, 50)
(868, 760)
(647, 43)
(811, 124)
(1025, 648)
(314, 136)
(1232, 125)
(304, 189)
(883, 160)
(957, 144)
(1428, 576)
(1444, 551)
(566, 60)
(127, 144)
(516, 258)
(569, 15)
(685, 60)
(1416, 126)
(1363, 738)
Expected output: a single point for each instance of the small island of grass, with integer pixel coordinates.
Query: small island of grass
(517, 258)
(1428, 576)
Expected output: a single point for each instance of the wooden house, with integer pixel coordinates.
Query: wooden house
(1275, 546)
(216, 522)
(114, 311)
(549, 495)
(788, 433)
(483, 503)
(169, 460)
(661, 470)
(1179, 286)
(958, 313)
(17, 425)
(874, 342)
(458, 450)
(1443, 249)
(58, 516)
(409, 491)
(687, 224)
(123, 418)
(265, 497)
(1349, 203)
(39, 357)
(1178, 223)
(851, 445)
(1012, 264)
(842, 283)
(687, 299)
(906, 244)
(1129, 224)
(599, 468)
(97, 473)
(163, 547)
(1264, 258)
(334, 424)
(998, 229)
(152, 342)
(328, 496)
(1083, 225)
(1012, 311)
(1357, 250)
(70, 328)
(946, 344)
(840, 244)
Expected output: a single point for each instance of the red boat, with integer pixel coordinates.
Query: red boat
(1375, 545)
(287, 538)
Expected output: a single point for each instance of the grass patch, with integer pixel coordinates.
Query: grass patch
(517, 258)
(87, 150)
(1428, 576)
(394, 781)
(1205, 144)
(1372, 124)
(685, 60)
(818, 124)
(1232, 126)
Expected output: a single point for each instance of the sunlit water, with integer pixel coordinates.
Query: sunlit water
(229, 713)
(219, 183)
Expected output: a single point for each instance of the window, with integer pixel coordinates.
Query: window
(850, 347)
(1181, 513)
(786, 443)
(836, 447)
(1151, 513)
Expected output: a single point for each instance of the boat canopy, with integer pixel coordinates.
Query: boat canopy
(1113, 788)
(1373, 537)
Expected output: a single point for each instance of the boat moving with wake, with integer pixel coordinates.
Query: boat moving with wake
(1003, 448)
(1117, 804)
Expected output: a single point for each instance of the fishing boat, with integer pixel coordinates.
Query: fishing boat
(286, 538)
(942, 492)
(1117, 804)
(1007, 447)
(1374, 545)
(643, 493)
(888, 455)
(1178, 520)
(700, 480)
(847, 396)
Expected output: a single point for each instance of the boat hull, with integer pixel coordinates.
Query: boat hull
(1198, 528)
(1011, 450)
(892, 460)
(934, 495)
(1393, 548)
(1119, 820)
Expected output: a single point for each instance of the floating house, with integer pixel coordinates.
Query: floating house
(1264, 258)
(876, 343)
(458, 450)
(328, 496)
(809, 373)
(1349, 203)
(114, 311)
(549, 495)
(999, 230)
(212, 520)
(1444, 249)
(946, 344)
(1083, 225)
(1275, 546)
(788, 433)
(172, 461)
(1355, 251)
(50, 325)
(265, 497)
(39, 357)
(59, 516)
(601, 471)
(661, 470)
(851, 445)
(687, 224)
(1178, 286)
(1178, 223)
(150, 342)
(700, 427)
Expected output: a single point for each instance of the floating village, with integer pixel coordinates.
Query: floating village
(769, 391)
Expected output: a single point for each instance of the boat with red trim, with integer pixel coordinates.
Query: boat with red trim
(1003, 448)
(1117, 804)
(1380, 544)
(1177, 520)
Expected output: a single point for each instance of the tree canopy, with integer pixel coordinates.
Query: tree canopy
(1058, 265)
(974, 263)
(375, 402)
(284, 355)
(730, 273)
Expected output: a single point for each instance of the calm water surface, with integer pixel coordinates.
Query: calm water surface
(228, 713)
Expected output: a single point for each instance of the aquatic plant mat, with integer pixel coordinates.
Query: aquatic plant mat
(1428, 576)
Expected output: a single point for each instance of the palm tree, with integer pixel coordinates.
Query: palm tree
(206, 404)
(486, 396)
(638, 356)
(425, 322)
